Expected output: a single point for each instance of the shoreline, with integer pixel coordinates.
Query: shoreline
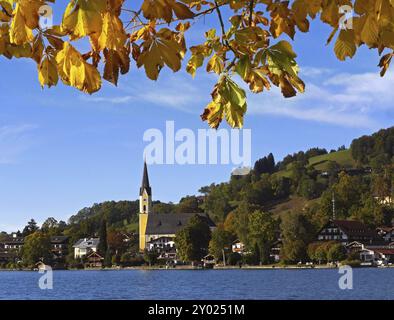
(218, 268)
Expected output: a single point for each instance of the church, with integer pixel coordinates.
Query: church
(158, 230)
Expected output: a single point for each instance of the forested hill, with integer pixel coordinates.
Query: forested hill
(302, 183)
(307, 181)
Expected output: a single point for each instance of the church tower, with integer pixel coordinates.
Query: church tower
(145, 206)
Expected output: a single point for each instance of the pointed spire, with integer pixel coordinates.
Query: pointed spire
(145, 182)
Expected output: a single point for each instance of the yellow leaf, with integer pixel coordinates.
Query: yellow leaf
(195, 61)
(160, 9)
(182, 11)
(75, 71)
(385, 63)
(304, 8)
(83, 17)
(330, 12)
(20, 33)
(163, 9)
(345, 45)
(37, 49)
(215, 64)
(213, 114)
(367, 29)
(243, 67)
(258, 80)
(280, 61)
(18, 51)
(161, 50)
(113, 35)
(281, 20)
(4, 38)
(228, 100)
(47, 72)
(116, 61)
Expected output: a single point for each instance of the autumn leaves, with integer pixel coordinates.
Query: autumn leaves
(241, 49)
(159, 48)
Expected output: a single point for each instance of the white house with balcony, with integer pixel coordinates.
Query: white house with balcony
(84, 247)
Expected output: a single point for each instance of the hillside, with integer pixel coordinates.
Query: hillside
(343, 158)
(320, 163)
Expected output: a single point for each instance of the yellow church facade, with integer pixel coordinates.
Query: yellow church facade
(159, 227)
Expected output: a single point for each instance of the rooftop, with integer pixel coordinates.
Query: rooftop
(87, 243)
(354, 228)
(171, 223)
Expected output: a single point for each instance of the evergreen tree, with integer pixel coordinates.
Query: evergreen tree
(30, 228)
(103, 246)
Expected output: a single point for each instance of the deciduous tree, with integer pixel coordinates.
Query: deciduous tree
(221, 241)
(37, 248)
(192, 241)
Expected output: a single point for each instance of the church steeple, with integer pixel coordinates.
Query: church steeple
(145, 182)
(145, 207)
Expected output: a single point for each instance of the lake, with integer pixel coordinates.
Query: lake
(199, 284)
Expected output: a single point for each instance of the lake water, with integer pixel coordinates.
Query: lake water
(199, 284)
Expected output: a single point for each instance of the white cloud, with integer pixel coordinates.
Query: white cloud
(14, 140)
(313, 72)
(350, 100)
(110, 100)
(179, 92)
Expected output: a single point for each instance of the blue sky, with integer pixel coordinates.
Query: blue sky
(62, 150)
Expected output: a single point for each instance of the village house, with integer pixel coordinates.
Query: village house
(157, 231)
(94, 260)
(84, 247)
(164, 246)
(11, 247)
(14, 242)
(161, 244)
(59, 246)
(347, 231)
(377, 254)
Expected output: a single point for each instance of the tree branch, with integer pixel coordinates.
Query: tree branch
(221, 22)
(251, 7)
(224, 38)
